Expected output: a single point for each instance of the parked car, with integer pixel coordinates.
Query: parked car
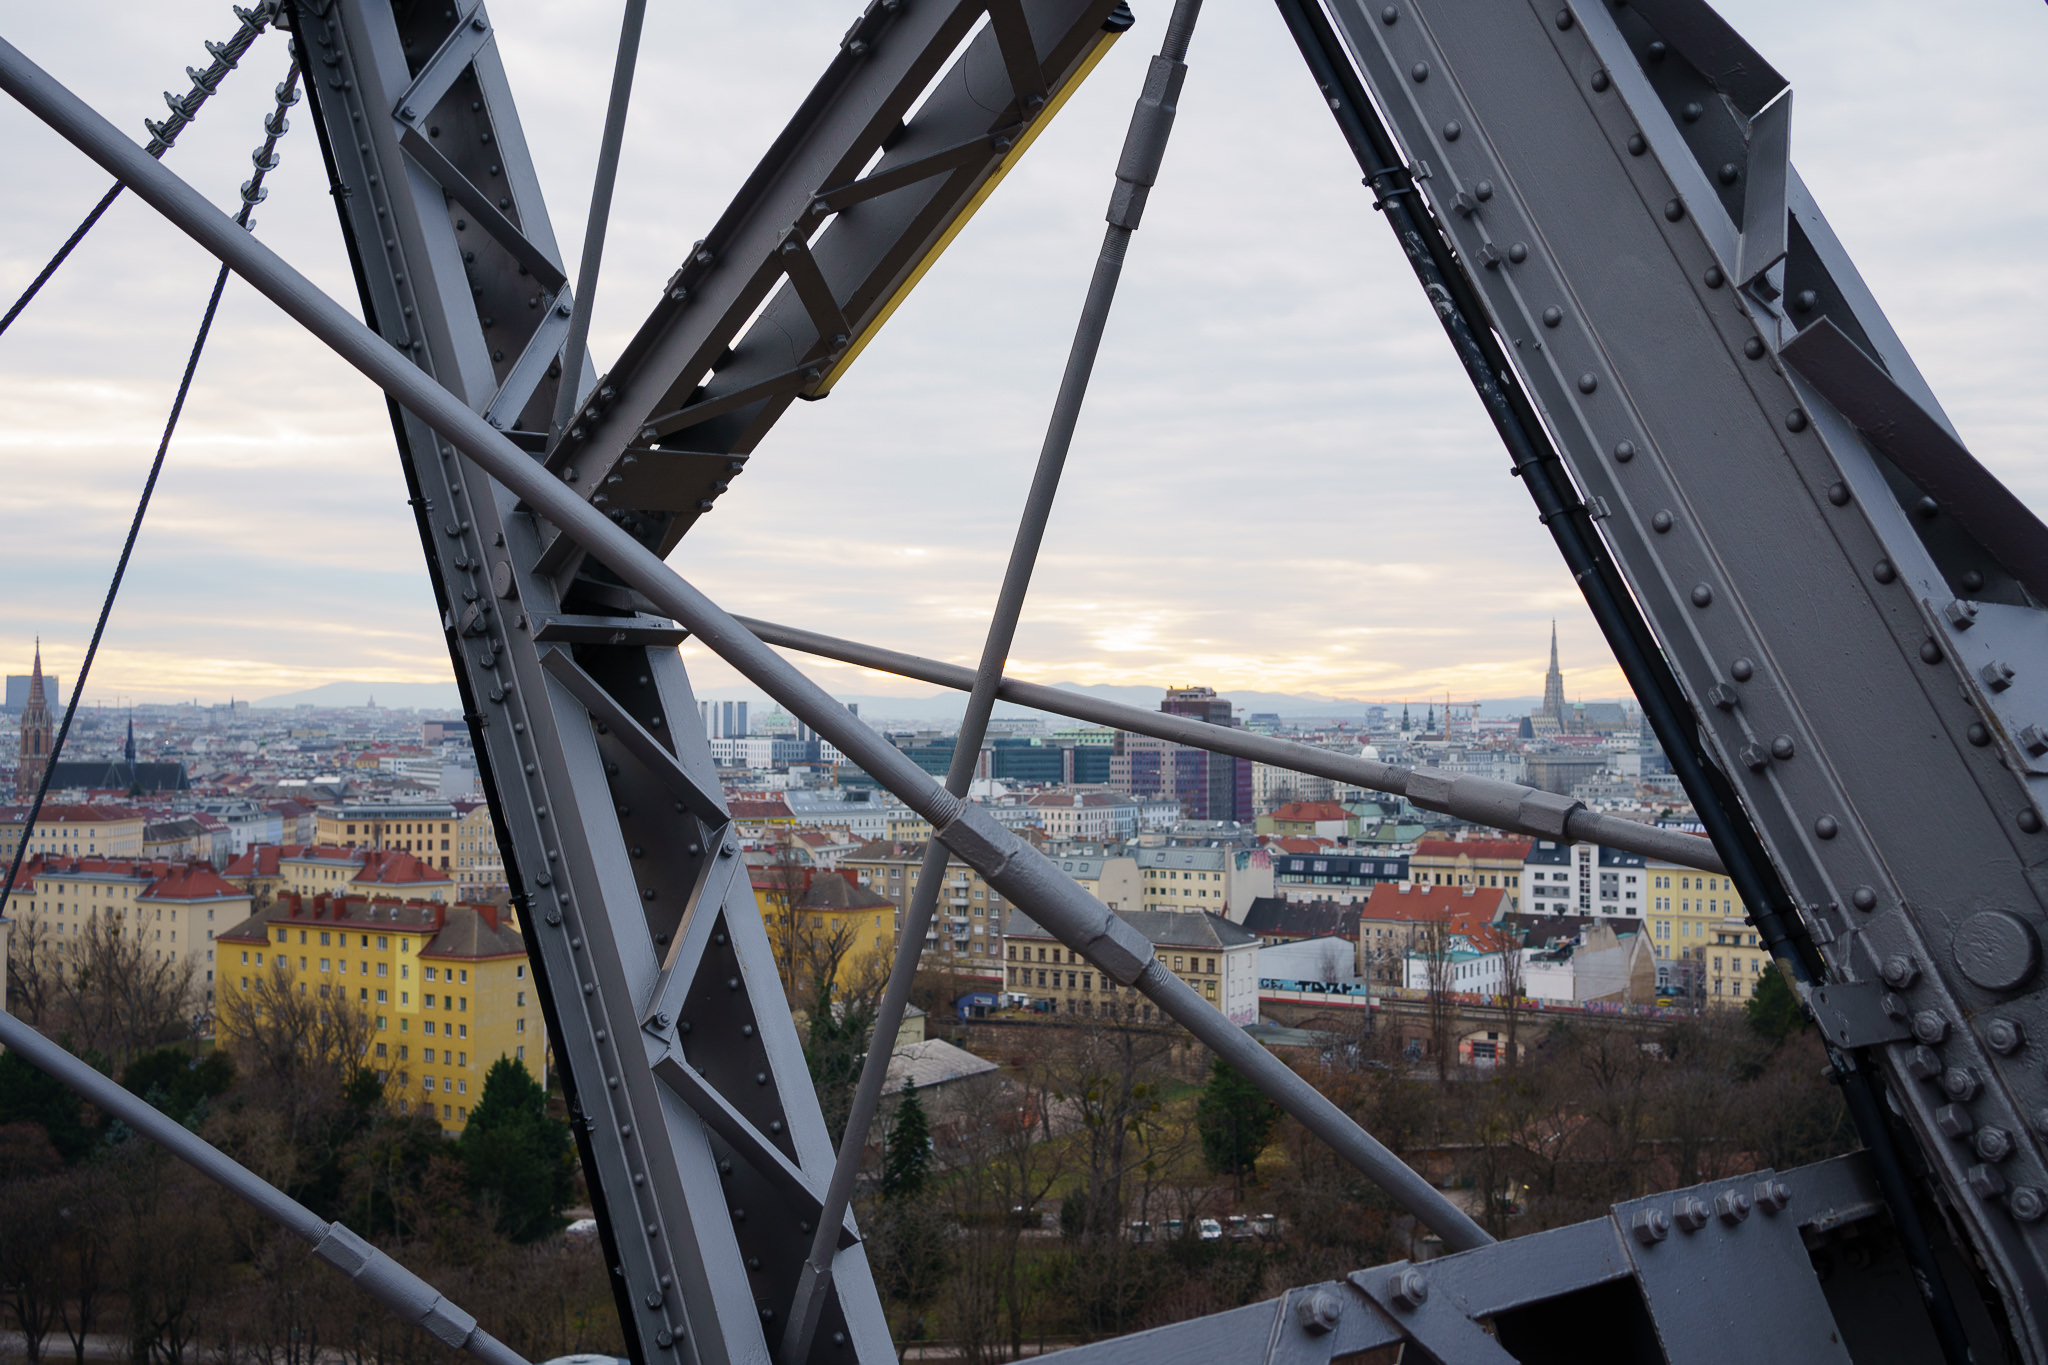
(1210, 1230)
(1141, 1233)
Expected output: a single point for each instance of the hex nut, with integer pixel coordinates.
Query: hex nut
(2027, 1204)
(1317, 1311)
(1929, 1026)
(1923, 1064)
(1985, 1182)
(1772, 1195)
(1899, 971)
(1731, 1206)
(1953, 1120)
(2005, 1036)
(1690, 1214)
(1993, 1143)
(1650, 1226)
(1409, 1290)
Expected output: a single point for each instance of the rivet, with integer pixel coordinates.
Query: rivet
(1978, 734)
(1742, 670)
(1691, 113)
(1588, 382)
(2004, 1036)
(1563, 20)
(1795, 420)
(1518, 253)
(1883, 571)
(1754, 348)
(760, 1078)
(1656, 50)
(1838, 494)
(1599, 82)
(1637, 145)
(1826, 827)
(1714, 278)
(1661, 522)
(2030, 820)
(1702, 596)
(1804, 301)
(1552, 316)
(1931, 1027)
(1419, 71)
(1930, 652)
(746, 1030)
(1781, 748)
(1389, 15)
(1864, 899)
(1624, 451)
(1453, 131)
(1928, 508)
(1483, 190)
(1972, 580)
(1729, 173)
(732, 983)
(1674, 210)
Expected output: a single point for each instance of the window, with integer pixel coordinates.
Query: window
(521, 1000)
(430, 977)
(430, 1031)
(520, 1027)
(383, 969)
(426, 1082)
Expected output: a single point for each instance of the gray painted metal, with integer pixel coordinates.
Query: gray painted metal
(1483, 800)
(704, 376)
(1144, 147)
(384, 1279)
(1776, 553)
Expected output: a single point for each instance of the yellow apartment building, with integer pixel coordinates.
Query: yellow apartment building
(1736, 961)
(425, 829)
(174, 910)
(479, 868)
(1486, 863)
(835, 903)
(84, 831)
(1688, 910)
(446, 988)
(967, 924)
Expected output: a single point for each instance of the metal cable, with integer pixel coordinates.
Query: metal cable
(162, 135)
(253, 194)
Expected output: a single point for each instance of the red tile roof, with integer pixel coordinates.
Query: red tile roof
(1297, 812)
(396, 867)
(83, 814)
(775, 809)
(193, 882)
(1464, 907)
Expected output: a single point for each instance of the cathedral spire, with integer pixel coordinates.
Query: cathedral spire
(36, 733)
(1553, 683)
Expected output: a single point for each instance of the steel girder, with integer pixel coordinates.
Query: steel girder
(1849, 601)
(706, 1163)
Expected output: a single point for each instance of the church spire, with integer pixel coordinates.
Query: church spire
(36, 733)
(1553, 683)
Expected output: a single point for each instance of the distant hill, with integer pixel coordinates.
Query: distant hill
(396, 696)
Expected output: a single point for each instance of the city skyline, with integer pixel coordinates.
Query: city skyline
(1281, 482)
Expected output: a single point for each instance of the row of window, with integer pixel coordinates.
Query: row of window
(1077, 981)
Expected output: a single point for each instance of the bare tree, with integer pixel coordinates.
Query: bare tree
(1512, 987)
(1437, 944)
(783, 879)
(106, 992)
(32, 970)
(304, 1046)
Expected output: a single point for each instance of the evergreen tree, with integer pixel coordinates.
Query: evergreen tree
(906, 1162)
(1773, 1010)
(1235, 1121)
(28, 1095)
(520, 1160)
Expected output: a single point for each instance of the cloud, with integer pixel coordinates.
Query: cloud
(1281, 480)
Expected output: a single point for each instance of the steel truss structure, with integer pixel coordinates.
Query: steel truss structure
(1783, 538)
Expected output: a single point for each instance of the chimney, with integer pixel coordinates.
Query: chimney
(490, 916)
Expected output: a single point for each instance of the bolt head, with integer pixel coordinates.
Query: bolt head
(1731, 1206)
(1771, 1195)
(2004, 1035)
(1953, 1120)
(2027, 1204)
(1899, 971)
(1985, 1182)
(1923, 1064)
(1993, 1143)
(1930, 1026)
(1650, 1226)
(1690, 1213)
(1409, 1290)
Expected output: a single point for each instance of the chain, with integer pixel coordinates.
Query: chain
(184, 108)
(265, 157)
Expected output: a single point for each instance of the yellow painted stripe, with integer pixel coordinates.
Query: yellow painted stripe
(1037, 126)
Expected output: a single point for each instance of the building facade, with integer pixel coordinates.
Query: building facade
(1217, 959)
(1489, 863)
(1218, 881)
(444, 988)
(425, 829)
(1583, 879)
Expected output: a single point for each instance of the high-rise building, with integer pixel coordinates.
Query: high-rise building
(724, 719)
(35, 734)
(1208, 786)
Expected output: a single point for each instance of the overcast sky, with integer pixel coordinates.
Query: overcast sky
(1281, 480)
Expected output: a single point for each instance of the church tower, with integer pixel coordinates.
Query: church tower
(1553, 684)
(35, 734)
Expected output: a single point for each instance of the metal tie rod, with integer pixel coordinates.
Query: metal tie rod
(382, 1278)
(1144, 146)
(1023, 874)
(1482, 800)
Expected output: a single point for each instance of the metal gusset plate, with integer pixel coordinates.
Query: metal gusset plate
(819, 247)
(1613, 181)
(609, 806)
